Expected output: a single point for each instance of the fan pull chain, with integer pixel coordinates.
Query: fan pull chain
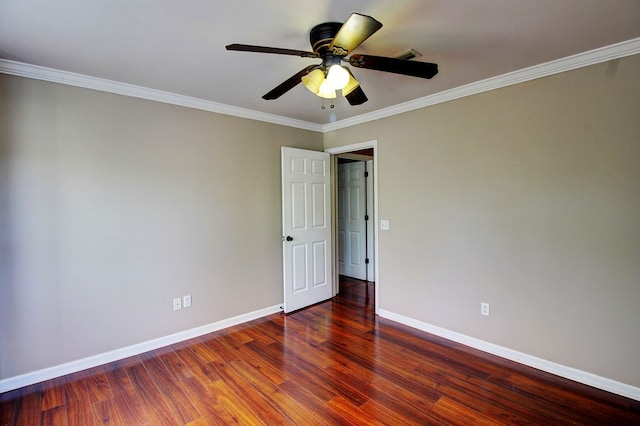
(325, 107)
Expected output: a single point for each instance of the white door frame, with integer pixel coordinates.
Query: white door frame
(334, 176)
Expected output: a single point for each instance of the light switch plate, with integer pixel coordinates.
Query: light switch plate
(384, 225)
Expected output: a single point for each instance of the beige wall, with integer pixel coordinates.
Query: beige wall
(528, 198)
(112, 206)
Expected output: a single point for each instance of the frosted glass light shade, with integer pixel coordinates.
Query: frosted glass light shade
(314, 80)
(326, 91)
(338, 77)
(351, 85)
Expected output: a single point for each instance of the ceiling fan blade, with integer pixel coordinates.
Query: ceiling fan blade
(356, 29)
(289, 83)
(276, 50)
(357, 96)
(397, 66)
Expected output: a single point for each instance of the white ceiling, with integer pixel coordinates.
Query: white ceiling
(178, 46)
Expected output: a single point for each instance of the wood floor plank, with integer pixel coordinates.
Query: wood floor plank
(313, 333)
(176, 366)
(209, 349)
(352, 413)
(105, 412)
(125, 397)
(53, 394)
(198, 422)
(79, 414)
(8, 402)
(29, 406)
(205, 403)
(181, 407)
(407, 401)
(461, 414)
(333, 363)
(240, 334)
(202, 352)
(388, 416)
(303, 370)
(56, 416)
(250, 395)
(280, 401)
(311, 353)
(271, 371)
(395, 372)
(237, 408)
(78, 403)
(98, 385)
(256, 334)
(150, 397)
(307, 397)
(196, 366)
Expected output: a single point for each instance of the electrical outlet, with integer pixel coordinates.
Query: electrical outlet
(484, 309)
(384, 225)
(186, 301)
(177, 303)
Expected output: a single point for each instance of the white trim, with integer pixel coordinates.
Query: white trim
(607, 53)
(592, 57)
(376, 256)
(16, 382)
(110, 86)
(522, 358)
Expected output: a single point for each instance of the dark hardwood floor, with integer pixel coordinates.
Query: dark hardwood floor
(333, 363)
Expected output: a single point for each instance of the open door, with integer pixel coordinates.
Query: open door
(306, 228)
(352, 220)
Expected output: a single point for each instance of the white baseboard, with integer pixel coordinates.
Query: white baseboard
(522, 358)
(27, 379)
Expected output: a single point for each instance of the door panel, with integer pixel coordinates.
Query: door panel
(306, 226)
(319, 205)
(319, 262)
(299, 264)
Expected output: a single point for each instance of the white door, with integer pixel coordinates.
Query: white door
(352, 227)
(306, 228)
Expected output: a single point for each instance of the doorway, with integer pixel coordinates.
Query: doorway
(355, 215)
(361, 152)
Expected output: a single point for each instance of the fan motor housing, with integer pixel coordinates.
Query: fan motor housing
(322, 35)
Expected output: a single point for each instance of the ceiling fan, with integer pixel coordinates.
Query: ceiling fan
(333, 42)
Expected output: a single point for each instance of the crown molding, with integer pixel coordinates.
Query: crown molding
(603, 54)
(79, 80)
(591, 57)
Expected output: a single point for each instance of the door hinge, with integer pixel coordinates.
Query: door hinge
(366, 217)
(366, 261)
(366, 174)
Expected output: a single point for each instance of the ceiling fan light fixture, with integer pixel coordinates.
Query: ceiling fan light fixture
(314, 80)
(338, 77)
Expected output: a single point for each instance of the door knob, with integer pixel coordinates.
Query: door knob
(289, 238)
